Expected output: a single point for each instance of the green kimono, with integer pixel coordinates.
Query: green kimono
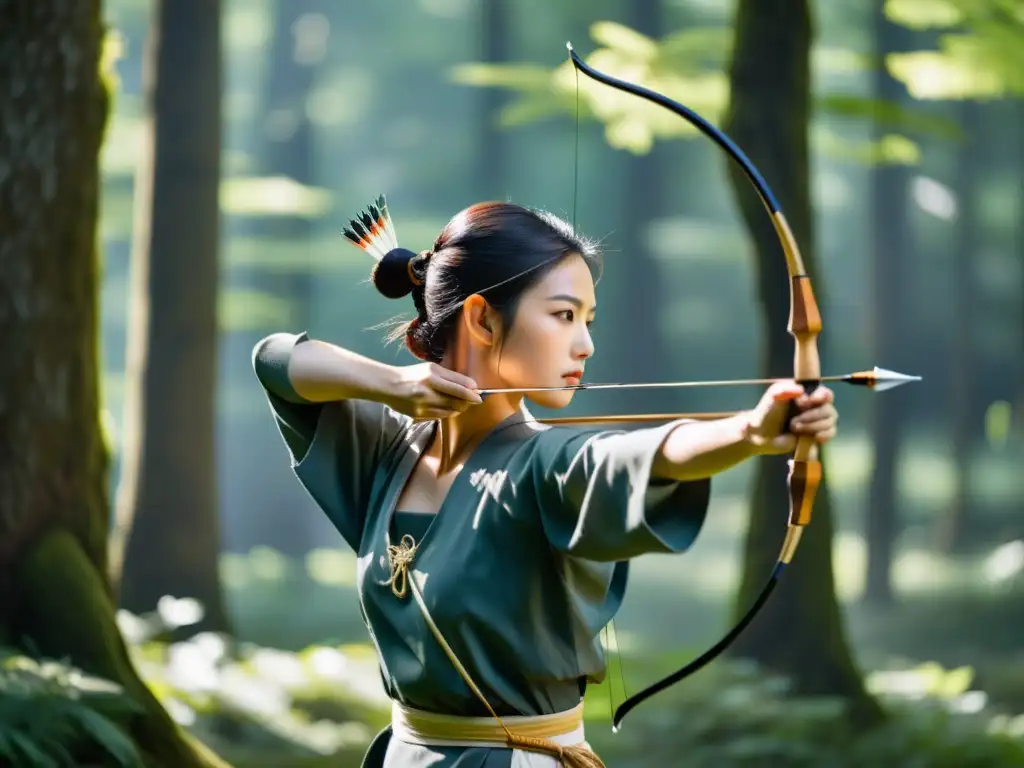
(522, 567)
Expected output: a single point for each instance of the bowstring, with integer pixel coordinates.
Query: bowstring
(611, 636)
(576, 163)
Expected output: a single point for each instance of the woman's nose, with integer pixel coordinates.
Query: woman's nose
(584, 345)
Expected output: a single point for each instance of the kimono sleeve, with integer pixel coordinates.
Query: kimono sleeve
(597, 500)
(335, 447)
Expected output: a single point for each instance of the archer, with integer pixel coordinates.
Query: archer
(493, 549)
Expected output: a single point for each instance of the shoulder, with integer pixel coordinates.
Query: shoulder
(366, 421)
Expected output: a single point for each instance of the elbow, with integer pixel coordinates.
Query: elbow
(271, 359)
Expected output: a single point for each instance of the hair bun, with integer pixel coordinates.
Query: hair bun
(394, 275)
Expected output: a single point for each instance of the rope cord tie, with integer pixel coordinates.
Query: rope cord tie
(400, 559)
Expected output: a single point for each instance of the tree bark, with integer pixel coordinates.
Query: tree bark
(53, 499)
(167, 534)
(800, 632)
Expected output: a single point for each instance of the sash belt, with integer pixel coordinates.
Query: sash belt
(415, 726)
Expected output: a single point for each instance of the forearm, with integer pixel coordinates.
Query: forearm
(317, 372)
(322, 372)
(700, 449)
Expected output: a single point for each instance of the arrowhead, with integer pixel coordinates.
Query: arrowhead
(886, 379)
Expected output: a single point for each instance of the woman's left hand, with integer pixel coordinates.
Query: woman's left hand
(817, 417)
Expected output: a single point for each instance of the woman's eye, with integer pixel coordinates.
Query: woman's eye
(567, 314)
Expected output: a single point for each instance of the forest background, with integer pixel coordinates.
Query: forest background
(174, 177)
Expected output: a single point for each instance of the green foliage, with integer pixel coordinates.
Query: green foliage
(980, 56)
(689, 67)
(325, 701)
(52, 714)
(685, 66)
(998, 423)
(263, 706)
(259, 705)
(733, 715)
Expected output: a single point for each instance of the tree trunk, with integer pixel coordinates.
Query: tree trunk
(492, 164)
(955, 524)
(53, 499)
(1019, 398)
(286, 148)
(800, 632)
(168, 527)
(892, 243)
(630, 266)
(640, 274)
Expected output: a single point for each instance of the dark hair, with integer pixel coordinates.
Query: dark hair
(497, 250)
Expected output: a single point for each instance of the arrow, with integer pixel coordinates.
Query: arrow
(878, 379)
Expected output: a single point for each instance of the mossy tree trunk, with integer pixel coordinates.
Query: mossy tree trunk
(53, 499)
(800, 631)
(167, 535)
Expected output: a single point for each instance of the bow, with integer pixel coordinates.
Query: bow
(804, 326)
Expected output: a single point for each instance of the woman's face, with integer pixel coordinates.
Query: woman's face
(549, 342)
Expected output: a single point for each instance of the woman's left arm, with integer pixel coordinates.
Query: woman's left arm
(700, 449)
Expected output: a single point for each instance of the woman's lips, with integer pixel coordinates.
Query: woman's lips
(573, 378)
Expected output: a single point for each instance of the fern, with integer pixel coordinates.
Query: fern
(52, 714)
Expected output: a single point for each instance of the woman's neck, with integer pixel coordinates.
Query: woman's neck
(460, 434)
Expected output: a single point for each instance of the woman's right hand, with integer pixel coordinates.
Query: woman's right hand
(427, 391)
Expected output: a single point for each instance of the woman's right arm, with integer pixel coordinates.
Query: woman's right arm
(305, 370)
(337, 411)
(320, 372)
(322, 398)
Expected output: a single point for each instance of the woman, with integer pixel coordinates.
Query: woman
(493, 550)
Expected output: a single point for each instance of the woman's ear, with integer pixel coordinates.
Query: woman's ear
(478, 317)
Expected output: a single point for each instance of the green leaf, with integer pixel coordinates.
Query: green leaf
(515, 77)
(842, 61)
(696, 49)
(932, 75)
(109, 737)
(623, 40)
(891, 149)
(890, 114)
(998, 423)
(923, 14)
(534, 108)
(26, 749)
(955, 682)
(543, 92)
(634, 135)
(983, 59)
